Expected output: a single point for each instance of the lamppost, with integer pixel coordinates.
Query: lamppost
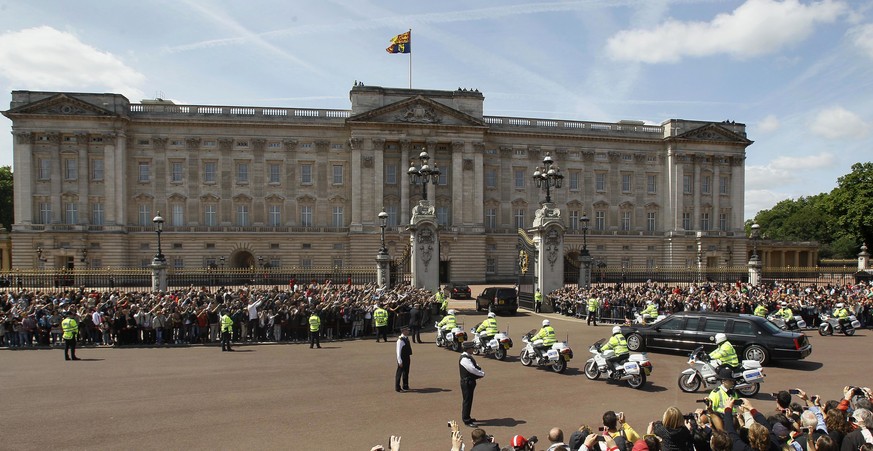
(584, 255)
(424, 173)
(548, 176)
(755, 261)
(222, 259)
(383, 270)
(159, 228)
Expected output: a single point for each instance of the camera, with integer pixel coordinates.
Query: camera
(738, 402)
(601, 428)
(690, 416)
(794, 391)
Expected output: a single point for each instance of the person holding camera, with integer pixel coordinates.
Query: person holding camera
(674, 430)
(519, 443)
(615, 426)
(483, 441)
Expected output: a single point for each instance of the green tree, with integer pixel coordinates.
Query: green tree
(851, 203)
(802, 219)
(6, 199)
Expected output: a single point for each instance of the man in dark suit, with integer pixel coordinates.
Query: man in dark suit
(404, 357)
(415, 323)
(470, 372)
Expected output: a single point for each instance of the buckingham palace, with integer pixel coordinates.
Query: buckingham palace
(303, 187)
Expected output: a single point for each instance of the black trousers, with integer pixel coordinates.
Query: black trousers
(415, 333)
(382, 331)
(402, 374)
(69, 347)
(225, 341)
(468, 386)
(314, 339)
(592, 316)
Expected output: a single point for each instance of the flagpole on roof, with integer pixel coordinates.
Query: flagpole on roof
(410, 59)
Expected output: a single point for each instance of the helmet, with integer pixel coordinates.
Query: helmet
(616, 330)
(724, 374)
(840, 305)
(649, 302)
(546, 322)
(491, 314)
(517, 441)
(451, 312)
(720, 338)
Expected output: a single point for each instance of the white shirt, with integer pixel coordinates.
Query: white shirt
(253, 310)
(400, 345)
(468, 365)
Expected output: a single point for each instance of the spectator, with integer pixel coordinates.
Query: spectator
(863, 433)
(619, 430)
(556, 438)
(675, 435)
(483, 441)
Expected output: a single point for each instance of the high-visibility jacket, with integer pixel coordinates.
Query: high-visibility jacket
(650, 310)
(226, 323)
(841, 313)
(785, 313)
(547, 334)
(538, 297)
(726, 354)
(448, 322)
(719, 398)
(71, 328)
(617, 343)
(380, 317)
(315, 323)
(761, 311)
(489, 326)
(592, 305)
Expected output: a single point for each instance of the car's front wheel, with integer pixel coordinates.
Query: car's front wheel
(635, 342)
(756, 352)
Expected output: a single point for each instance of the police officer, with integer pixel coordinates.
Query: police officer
(443, 302)
(470, 373)
(725, 352)
(841, 313)
(226, 323)
(538, 301)
(314, 328)
(489, 326)
(785, 311)
(761, 310)
(650, 312)
(592, 311)
(446, 324)
(719, 396)
(547, 335)
(380, 319)
(618, 344)
(71, 334)
(404, 360)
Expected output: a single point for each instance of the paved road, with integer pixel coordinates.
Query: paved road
(341, 397)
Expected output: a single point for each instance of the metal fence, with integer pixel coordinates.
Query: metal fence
(632, 276)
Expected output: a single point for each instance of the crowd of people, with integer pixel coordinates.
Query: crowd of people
(189, 316)
(794, 421)
(620, 303)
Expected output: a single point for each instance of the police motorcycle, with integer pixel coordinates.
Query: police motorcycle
(646, 319)
(634, 370)
(555, 357)
(830, 324)
(498, 345)
(795, 323)
(703, 372)
(453, 339)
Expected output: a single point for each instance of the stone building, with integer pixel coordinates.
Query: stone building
(241, 185)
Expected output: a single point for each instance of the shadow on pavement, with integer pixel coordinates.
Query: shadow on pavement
(429, 390)
(511, 422)
(800, 365)
(81, 359)
(243, 350)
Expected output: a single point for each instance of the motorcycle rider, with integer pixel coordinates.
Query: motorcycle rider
(761, 310)
(841, 313)
(785, 311)
(547, 335)
(650, 312)
(447, 323)
(489, 326)
(725, 353)
(442, 300)
(618, 344)
(719, 396)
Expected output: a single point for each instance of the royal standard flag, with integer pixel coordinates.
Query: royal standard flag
(402, 43)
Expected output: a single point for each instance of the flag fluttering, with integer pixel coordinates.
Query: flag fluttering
(402, 43)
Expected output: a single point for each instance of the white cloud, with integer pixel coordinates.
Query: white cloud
(46, 58)
(761, 199)
(839, 123)
(863, 38)
(769, 176)
(820, 161)
(755, 28)
(769, 124)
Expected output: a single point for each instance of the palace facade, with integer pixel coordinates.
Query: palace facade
(243, 186)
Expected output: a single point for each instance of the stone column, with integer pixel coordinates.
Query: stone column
(259, 182)
(194, 208)
(83, 178)
(457, 181)
(357, 182)
(548, 234)
(378, 180)
(863, 258)
(383, 270)
(696, 185)
(478, 184)
(755, 270)
(159, 275)
(24, 176)
(737, 182)
(58, 213)
(425, 252)
(404, 180)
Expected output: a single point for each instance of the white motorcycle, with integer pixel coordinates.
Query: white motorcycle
(555, 357)
(829, 325)
(795, 323)
(646, 319)
(702, 372)
(634, 370)
(453, 339)
(498, 345)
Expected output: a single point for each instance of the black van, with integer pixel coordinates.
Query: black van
(498, 299)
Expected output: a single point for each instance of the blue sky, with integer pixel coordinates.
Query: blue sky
(798, 73)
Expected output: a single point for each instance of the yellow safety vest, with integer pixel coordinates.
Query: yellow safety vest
(314, 323)
(71, 328)
(761, 311)
(489, 325)
(226, 323)
(592, 305)
(380, 316)
(617, 343)
(841, 313)
(726, 354)
(448, 322)
(719, 397)
(547, 334)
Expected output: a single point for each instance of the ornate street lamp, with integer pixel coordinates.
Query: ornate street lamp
(383, 220)
(584, 255)
(755, 236)
(548, 176)
(222, 259)
(159, 228)
(423, 174)
(584, 220)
